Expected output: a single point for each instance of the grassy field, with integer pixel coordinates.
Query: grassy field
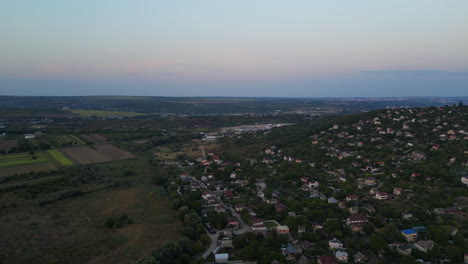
(90, 113)
(22, 159)
(64, 161)
(72, 230)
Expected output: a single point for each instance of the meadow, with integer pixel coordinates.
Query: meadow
(43, 223)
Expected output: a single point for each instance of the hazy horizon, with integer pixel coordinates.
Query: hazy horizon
(258, 48)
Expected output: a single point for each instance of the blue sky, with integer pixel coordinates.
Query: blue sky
(234, 48)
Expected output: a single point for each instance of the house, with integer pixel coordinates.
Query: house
(464, 180)
(357, 219)
(317, 226)
(369, 208)
(314, 184)
(335, 244)
(229, 193)
(258, 225)
(406, 215)
(206, 195)
(419, 229)
(351, 197)
(341, 256)
(233, 222)
(404, 250)
(353, 210)
(282, 229)
(221, 258)
(409, 234)
(239, 207)
(424, 245)
(359, 257)
(220, 208)
(332, 200)
(301, 229)
(289, 252)
(306, 245)
(303, 260)
(327, 260)
(381, 195)
(370, 181)
(397, 191)
(279, 207)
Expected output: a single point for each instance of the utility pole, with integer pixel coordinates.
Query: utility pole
(203, 149)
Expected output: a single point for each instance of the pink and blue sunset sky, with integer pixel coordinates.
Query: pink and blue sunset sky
(234, 48)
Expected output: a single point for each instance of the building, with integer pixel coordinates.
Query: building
(370, 181)
(409, 234)
(381, 195)
(341, 256)
(222, 258)
(359, 257)
(335, 244)
(279, 207)
(464, 180)
(327, 260)
(424, 245)
(357, 219)
(282, 229)
(397, 191)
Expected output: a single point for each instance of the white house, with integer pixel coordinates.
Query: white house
(335, 244)
(341, 256)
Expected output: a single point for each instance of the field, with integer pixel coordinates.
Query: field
(97, 113)
(72, 230)
(65, 140)
(94, 138)
(6, 145)
(95, 154)
(64, 161)
(24, 162)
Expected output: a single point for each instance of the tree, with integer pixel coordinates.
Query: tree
(377, 243)
(332, 225)
(454, 253)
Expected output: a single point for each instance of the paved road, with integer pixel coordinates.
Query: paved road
(213, 245)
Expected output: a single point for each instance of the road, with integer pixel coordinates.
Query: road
(213, 245)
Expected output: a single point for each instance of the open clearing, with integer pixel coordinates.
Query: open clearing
(95, 154)
(72, 231)
(6, 145)
(97, 113)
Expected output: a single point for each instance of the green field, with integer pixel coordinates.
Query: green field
(4, 163)
(64, 161)
(90, 113)
(24, 162)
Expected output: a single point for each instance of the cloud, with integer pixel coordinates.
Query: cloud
(415, 73)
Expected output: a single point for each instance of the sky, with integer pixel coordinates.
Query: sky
(296, 48)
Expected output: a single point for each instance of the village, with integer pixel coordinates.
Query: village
(353, 192)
